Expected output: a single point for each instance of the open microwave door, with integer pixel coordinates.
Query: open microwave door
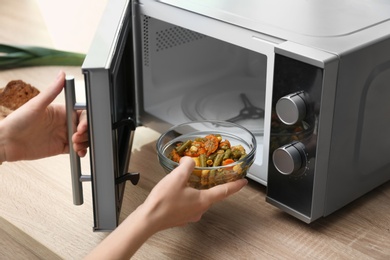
(110, 102)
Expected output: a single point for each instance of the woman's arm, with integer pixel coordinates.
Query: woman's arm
(38, 129)
(171, 203)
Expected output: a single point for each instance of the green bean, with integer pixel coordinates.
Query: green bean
(218, 159)
(236, 154)
(184, 146)
(212, 156)
(242, 156)
(227, 154)
(212, 178)
(202, 160)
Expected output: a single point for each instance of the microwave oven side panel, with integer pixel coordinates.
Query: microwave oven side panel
(360, 160)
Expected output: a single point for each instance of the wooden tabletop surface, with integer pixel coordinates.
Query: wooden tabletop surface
(39, 221)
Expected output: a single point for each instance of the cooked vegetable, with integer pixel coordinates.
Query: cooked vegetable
(183, 147)
(227, 162)
(218, 160)
(227, 154)
(225, 144)
(211, 144)
(211, 151)
(202, 160)
(175, 156)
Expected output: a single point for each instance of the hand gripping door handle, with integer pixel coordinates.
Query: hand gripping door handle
(71, 117)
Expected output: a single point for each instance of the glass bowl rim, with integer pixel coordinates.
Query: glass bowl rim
(250, 154)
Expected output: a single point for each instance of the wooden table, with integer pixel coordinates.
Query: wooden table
(39, 221)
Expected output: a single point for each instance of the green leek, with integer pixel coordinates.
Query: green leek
(12, 56)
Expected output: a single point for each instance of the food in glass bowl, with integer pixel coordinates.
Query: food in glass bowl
(222, 151)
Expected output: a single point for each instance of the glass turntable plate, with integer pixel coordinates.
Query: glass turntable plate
(239, 101)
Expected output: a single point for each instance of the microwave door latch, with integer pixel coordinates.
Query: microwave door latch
(133, 177)
(71, 117)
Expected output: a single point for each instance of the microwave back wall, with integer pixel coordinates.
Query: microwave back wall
(311, 80)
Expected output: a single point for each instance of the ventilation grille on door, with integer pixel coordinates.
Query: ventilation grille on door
(167, 38)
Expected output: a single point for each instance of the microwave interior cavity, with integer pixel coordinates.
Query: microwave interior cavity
(188, 76)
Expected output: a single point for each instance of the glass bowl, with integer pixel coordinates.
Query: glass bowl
(205, 142)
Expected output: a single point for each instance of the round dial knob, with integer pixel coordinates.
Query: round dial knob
(290, 158)
(291, 108)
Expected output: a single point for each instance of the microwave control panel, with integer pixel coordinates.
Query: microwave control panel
(295, 112)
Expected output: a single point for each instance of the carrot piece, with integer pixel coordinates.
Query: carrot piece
(224, 144)
(227, 161)
(175, 156)
(211, 144)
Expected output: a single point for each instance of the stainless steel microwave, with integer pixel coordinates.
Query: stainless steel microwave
(310, 79)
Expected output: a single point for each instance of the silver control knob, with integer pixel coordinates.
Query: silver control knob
(289, 158)
(291, 108)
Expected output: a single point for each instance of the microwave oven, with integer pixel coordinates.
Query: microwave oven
(310, 79)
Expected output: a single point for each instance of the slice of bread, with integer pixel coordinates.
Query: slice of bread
(14, 95)
(4, 112)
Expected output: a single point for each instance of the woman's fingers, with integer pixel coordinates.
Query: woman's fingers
(184, 170)
(82, 126)
(223, 191)
(46, 97)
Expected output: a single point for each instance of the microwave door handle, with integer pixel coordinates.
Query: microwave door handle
(71, 117)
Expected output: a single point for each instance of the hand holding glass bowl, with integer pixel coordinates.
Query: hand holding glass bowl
(208, 176)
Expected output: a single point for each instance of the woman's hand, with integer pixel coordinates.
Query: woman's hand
(171, 203)
(38, 128)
